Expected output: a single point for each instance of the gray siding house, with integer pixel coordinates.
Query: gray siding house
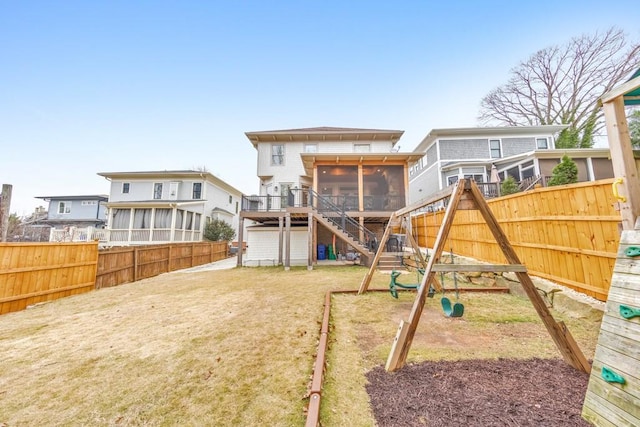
(491, 154)
(79, 211)
(70, 216)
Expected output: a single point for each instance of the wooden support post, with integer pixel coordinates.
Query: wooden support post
(240, 240)
(280, 240)
(5, 211)
(401, 350)
(135, 263)
(561, 336)
(310, 241)
(623, 161)
(287, 260)
(367, 278)
(401, 336)
(416, 248)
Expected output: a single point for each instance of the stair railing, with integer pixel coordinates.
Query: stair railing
(337, 216)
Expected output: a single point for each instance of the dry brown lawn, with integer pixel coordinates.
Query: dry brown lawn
(236, 347)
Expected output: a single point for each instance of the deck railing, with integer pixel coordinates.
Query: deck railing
(300, 198)
(108, 237)
(338, 216)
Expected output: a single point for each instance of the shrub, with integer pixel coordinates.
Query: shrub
(566, 172)
(509, 186)
(218, 231)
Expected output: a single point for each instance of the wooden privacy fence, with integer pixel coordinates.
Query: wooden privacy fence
(568, 234)
(36, 272)
(131, 263)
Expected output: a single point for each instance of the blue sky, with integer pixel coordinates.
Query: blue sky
(105, 86)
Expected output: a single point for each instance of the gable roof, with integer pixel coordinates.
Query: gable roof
(324, 133)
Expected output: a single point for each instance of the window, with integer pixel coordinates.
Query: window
(236, 207)
(361, 148)
(452, 179)
(157, 191)
(542, 143)
(125, 187)
(89, 202)
(310, 148)
(64, 207)
(197, 190)
(494, 146)
(479, 178)
(230, 199)
(277, 155)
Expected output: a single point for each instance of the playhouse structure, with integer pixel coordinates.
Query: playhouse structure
(613, 394)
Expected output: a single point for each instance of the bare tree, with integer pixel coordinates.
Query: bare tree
(563, 84)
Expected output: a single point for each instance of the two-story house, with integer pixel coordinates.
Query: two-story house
(167, 206)
(322, 189)
(71, 216)
(490, 154)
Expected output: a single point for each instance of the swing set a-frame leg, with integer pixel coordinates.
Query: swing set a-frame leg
(404, 338)
(364, 285)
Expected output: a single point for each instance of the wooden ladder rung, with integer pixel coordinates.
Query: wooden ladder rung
(483, 268)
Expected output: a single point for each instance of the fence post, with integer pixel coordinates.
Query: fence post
(135, 263)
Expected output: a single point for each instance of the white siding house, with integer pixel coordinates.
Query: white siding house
(358, 174)
(167, 206)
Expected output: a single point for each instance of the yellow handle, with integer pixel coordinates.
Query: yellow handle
(615, 190)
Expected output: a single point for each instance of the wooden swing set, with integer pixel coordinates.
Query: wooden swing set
(465, 195)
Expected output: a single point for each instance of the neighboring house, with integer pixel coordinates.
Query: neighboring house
(322, 184)
(526, 153)
(167, 206)
(70, 216)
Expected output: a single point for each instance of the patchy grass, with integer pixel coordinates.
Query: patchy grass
(236, 347)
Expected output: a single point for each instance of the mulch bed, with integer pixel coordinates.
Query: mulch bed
(537, 392)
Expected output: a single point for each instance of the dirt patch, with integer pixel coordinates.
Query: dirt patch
(504, 392)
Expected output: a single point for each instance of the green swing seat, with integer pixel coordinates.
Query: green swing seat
(393, 284)
(456, 311)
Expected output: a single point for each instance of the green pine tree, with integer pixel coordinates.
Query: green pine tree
(566, 172)
(509, 186)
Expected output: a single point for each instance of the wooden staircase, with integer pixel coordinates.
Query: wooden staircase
(342, 235)
(391, 261)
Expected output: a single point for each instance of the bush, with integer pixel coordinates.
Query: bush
(218, 231)
(566, 172)
(509, 186)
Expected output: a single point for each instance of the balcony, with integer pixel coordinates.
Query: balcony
(298, 198)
